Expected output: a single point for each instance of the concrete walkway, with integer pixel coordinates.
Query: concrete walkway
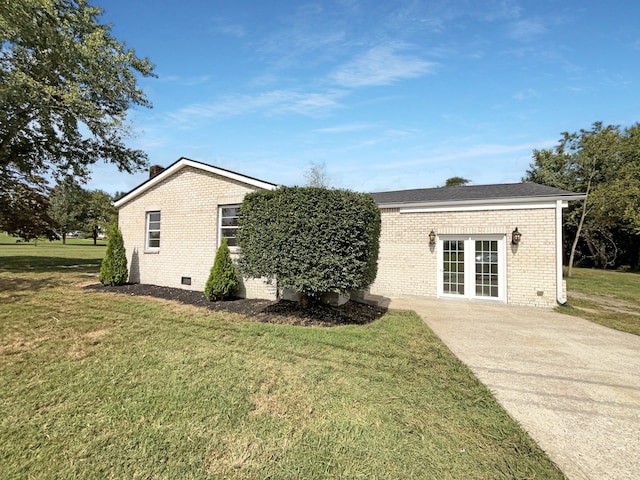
(572, 384)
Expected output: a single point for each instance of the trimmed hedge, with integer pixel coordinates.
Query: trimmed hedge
(223, 280)
(312, 240)
(113, 270)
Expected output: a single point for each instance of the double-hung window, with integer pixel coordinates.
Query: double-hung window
(153, 231)
(228, 224)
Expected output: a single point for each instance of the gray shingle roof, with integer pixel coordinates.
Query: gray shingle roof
(471, 192)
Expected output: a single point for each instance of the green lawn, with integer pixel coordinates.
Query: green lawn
(96, 385)
(607, 297)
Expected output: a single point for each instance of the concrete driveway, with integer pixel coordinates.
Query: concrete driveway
(572, 384)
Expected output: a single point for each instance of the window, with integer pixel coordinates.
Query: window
(472, 266)
(153, 230)
(228, 224)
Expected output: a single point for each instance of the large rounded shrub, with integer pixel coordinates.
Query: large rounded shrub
(311, 240)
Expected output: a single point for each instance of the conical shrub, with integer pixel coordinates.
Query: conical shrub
(113, 270)
(223, 282)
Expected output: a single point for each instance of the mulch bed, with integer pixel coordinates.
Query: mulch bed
(279, 311)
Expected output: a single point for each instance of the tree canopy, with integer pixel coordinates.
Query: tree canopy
(67, 206)
(311, 240)
(456, 182)
(604, 163)
(66, 85)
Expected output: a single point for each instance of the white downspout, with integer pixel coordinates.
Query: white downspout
(560, 296)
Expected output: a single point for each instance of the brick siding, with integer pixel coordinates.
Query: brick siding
(188, 201)
(407, 264)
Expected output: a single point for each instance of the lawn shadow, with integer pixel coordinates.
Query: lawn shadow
(21, 284)
(33, 264)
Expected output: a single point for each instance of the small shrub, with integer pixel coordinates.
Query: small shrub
(113, 270)
(223, 280)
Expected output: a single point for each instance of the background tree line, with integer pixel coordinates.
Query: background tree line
(67, 208)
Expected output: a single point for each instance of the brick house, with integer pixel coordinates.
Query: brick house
(491, 242)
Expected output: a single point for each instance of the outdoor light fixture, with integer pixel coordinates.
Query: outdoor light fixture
(515, 237)
(432, 237)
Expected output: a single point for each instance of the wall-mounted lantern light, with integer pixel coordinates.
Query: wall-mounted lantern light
(432, 237)
(515, 237)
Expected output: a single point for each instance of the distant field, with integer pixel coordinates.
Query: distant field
(8, 240)
(98, 385)
(45, 255)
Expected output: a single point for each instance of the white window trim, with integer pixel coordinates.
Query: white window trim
(469, 279)
(147, 247)
(232, 248)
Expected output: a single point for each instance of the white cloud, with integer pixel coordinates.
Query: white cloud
(237, 31)
(526, 30)
(381, 65)
(526, 94)
(275, 102)
(476, 151)
(346, 128)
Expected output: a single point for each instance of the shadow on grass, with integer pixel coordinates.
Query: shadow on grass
(29, 264)
(21, 284)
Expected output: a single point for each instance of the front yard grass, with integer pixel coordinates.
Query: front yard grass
(608, 297)
(111, 386)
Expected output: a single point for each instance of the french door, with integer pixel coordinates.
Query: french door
(472, 267)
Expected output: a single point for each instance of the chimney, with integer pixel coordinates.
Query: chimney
(155, 170)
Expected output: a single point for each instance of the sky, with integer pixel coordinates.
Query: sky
(383, 95)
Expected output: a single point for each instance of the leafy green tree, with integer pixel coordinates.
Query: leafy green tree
(99, 213)
(223, 280)
(66, 85)
(456, 182)
(113, 270)
(24, 212)
(67, 206)
(603, 163)
(311, 240)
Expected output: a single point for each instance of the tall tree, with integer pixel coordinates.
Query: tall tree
(68, 206)
(66, 85)
(99, 213)
(604, 163)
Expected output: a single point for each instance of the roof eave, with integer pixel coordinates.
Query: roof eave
(183, 163)
(485, 201)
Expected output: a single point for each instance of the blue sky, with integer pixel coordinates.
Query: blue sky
(386, 95)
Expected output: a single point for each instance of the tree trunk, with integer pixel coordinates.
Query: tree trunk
(64, 238)
(304, 300)
(580, 224)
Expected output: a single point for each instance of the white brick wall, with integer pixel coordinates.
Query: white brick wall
(407, 264)
(188, 201)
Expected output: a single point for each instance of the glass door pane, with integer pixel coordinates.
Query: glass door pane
(486, 264)
(453, 267)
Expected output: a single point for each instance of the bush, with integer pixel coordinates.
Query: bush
(223, 280)
(113, 270)
(311, 240)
